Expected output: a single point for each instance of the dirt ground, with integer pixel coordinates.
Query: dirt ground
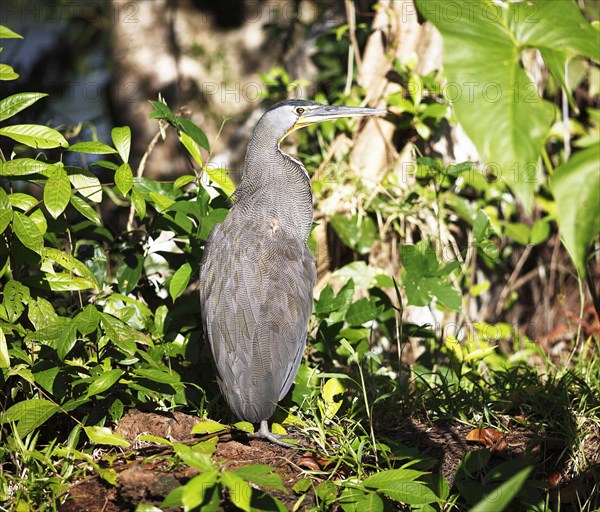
(146, 476)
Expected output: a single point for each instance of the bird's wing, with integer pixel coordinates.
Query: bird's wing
(256, 294)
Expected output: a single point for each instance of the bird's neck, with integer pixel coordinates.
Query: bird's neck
(275, 186)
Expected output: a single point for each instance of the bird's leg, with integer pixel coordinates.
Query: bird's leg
(264, 433)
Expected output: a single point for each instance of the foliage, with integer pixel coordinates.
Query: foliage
(96, 320)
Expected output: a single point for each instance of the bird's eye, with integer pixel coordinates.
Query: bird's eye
(299, 111)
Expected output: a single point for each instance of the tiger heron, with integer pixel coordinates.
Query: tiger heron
(257, 273)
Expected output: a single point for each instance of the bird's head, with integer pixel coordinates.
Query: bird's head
(290, 115)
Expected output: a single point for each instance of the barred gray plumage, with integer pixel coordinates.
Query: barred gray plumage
(257, 273)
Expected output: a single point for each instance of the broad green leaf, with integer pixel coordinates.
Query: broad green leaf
(500, 498)
(7, 73)
(195, 490)
(66, 339)
(139, 202)
(63, 282)
(41, 313)
(67, 261)
(104, 381)
(155, 375)
(400, 485)
(26, 167)
(358, 234)
(27, 232)
(6, 215)
(576, 189)
(162, 111)
(487, 85)
(261, 475)
(244, 426)
(239, 490)
(183, 180)
(331, 389)
(14, 104)
(4, 357)
(194, 459)
(129, 271)
(35, 136)
(220, 177)
(103, 435)
(22, 201)
(87, 320)
(208, 427)
(197, 135)
(160, 202)
(180, 280)
(121, 137)
(192, 147)
(357, 500)
(362, 311)
(85, 209)
(92, 147)
(85, 183)
(57, 192)
(124, 179)
(29, 414)
(6, 33)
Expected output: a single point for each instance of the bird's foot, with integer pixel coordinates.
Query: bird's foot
(264, 433)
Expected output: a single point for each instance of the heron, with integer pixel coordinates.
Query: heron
(257, 273)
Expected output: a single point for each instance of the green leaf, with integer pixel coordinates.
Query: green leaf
(86, 210)
(25, 167)
(27, 232)
(400, 485)
(104, 381)
(162, 111)
(29, 414)
(357, 500)
(194, 491)
(487, 85)
(57, 192)
(180, 280)
(6, 33)
(87, 320)
(103, 435)
(331, 389)
(576, 189)
(155, 375)
(139, 203)
(192, 148)
(92, 147)
(85, 183)
(356, 234)
(35, 136)
(194, 132)
(121, 137)
(160, 202)
(261, 475)
(244, 426)
(129, 271)
(500, 498)
(16, 297)
(220, 177)
(4, 357)
(194, 459)
(183, 180)
(6, 215)
(362, 311)
(208, 427)
(67, 261)
(14, 104)
(124, 179)
(7, 73)
(240, 492)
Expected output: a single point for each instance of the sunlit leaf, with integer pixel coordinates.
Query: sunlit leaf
(12, 105)
(35, 136)
(103, 435)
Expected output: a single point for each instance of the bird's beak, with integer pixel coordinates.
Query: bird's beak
(327, 113)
